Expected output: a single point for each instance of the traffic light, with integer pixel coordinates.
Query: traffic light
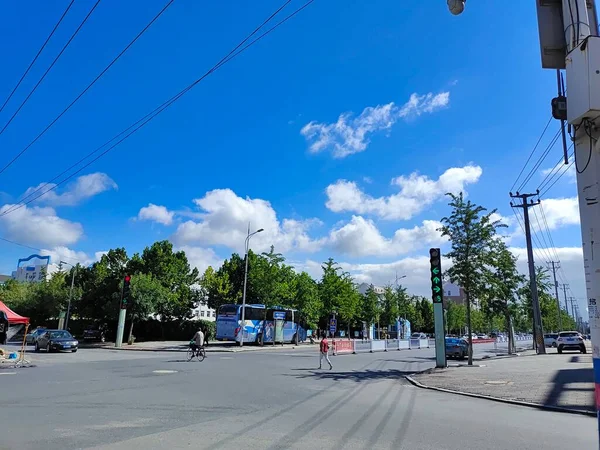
(435, 263)
(126, 291)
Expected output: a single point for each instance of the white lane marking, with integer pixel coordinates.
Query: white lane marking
(8, 373)
(164, 371)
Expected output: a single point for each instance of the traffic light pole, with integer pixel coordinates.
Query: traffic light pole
(437, 295)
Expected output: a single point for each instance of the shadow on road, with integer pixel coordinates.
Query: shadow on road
(355, 375)
(572, 381)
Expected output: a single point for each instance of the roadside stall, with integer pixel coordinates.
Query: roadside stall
(9, 318)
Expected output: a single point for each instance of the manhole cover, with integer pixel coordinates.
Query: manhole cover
(164, 371)
(497, 382)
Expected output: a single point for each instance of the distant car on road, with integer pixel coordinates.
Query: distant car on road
(418, 335)
(550, 339)
(56, 341)
(456, 348)
(32, 337)
(95, 333)
(570, 340)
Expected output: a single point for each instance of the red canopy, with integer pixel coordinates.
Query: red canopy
(13, 317)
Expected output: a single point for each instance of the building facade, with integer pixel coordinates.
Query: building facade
(203, 312)
(454, 293)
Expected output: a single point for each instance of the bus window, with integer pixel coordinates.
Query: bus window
(228, 310)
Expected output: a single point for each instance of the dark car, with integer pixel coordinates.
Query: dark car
(570, 340)
(95, 333)
(56, 341)
(457, 348)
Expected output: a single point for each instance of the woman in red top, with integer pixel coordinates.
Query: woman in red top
(324, 353)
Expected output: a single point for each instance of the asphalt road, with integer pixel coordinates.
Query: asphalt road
(259, 400)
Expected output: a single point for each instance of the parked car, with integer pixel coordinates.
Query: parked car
(32, 337)
(550, 339)
(570, 340)
(456, 348)
(56, 341)
(95, 333)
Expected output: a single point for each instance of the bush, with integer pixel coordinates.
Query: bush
(176, 330)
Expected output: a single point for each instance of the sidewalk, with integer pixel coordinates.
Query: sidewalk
(182, 346)
(554, 381)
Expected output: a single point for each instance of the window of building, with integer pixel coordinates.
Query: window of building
(214, 314)
(201, 313)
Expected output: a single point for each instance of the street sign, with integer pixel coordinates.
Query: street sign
(333, 326)
(279, 315)
(435, 262)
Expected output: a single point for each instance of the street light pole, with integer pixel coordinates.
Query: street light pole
(243, 321)
(70, 293)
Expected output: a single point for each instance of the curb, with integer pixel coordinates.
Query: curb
(503, 400)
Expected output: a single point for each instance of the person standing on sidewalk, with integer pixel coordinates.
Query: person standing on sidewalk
(324, 350)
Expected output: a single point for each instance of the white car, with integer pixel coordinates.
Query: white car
(550, 340)
(570, 340)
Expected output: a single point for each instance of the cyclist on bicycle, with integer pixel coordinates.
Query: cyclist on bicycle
(197, 341)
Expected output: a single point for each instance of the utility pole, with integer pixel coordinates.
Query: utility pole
(565, 286)
(538, 330)
(556, 265)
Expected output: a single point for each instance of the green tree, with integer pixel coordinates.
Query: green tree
(505, 282)
(307, 300)
(390, 307)
(472, 233)
(425, 308)
(456, 318)
(338, 293)
(370, 306)
(146, 295)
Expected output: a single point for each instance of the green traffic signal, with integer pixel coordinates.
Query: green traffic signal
(436, 289)
(435, 280)
(435, 270)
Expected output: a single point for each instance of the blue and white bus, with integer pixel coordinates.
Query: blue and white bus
(260, 324)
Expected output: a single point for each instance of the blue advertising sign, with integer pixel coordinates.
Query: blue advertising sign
(279, 315)
(332, 326)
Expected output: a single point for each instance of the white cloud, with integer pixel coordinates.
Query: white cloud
(350, 135)
(560, 212)
(360, 237)
(81, 189)
(39, 226)
(68, 255)
(201, 258)
(416, 193)
(224, 218)
(156, 213)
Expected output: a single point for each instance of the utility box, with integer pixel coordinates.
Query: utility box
(583, 81)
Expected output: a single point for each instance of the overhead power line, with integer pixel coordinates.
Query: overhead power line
(89, 86)
(136, 126)
(555, 171)
(531, 154)
(46, 73)
(36, 56)
(540, 160)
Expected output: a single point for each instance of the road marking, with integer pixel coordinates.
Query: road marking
(8, 373)
(164, 371)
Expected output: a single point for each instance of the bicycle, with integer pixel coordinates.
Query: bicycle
(199, 354)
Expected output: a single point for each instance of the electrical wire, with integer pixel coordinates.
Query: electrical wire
(540, 160)
(586, 127)
(548, 187)
(35, 249)
(89, 86)
(531, 154)
(555, 171)
(48, 71)
(37, 56)
(236, 51)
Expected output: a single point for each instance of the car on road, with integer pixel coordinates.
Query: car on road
(417, 335)
(550, 339)
(57, 341)
(95, 332)
(456, 348)
(32, 337)
(570, 340)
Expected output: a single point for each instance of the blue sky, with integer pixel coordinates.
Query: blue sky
(391, 89)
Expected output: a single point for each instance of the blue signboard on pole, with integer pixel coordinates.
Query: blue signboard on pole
(279, 315)
(332, 326)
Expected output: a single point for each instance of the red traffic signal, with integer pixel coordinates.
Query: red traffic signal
(127, 278)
